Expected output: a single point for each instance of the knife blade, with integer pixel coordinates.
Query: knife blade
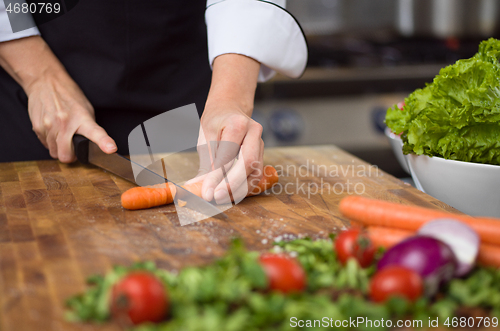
(88, 152)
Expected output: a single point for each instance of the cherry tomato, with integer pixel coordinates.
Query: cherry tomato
(284, 273)
(141, 297)
(354, 244)
(396, 281)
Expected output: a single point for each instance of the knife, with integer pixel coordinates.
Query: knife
(88, 152)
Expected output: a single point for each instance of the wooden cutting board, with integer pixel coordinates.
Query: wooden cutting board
(61, 223)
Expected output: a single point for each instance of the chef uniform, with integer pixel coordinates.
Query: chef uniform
(136, 59)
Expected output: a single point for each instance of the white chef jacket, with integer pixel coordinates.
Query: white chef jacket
(262, 30)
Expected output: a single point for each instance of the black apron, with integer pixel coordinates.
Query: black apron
(132, 59)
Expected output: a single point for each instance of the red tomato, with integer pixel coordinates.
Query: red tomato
(396, 281)
(401, 105)
(354, 244)
(141, 297)
(284, 273)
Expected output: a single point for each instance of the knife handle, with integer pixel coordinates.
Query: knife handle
(81, 146)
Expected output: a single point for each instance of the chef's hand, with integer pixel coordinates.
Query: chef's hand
(230, 132)
(58, 110)
(57, 107)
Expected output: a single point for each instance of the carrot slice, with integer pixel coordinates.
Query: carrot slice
(371, 212)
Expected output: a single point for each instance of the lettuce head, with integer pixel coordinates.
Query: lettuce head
(457, 116)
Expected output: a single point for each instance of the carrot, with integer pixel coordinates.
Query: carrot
(382, 213)
(386, 237)
(194, 188)
(147, 197)
(269, 179)
(489, 255)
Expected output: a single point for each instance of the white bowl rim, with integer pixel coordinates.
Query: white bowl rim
(457, 161)
(388, 132)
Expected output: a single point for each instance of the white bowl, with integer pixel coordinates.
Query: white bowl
(472, 188)
(397, 148)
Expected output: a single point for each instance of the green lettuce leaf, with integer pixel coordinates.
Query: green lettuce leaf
(457, 116)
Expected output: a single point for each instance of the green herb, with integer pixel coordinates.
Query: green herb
(230, 294)
(457, 116)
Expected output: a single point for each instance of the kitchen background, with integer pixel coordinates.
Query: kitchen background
(365, 56)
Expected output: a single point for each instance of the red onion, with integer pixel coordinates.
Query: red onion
(461, 238)
(432, 259)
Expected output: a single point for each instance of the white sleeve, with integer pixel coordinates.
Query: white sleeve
(262, 30)
(6, 33)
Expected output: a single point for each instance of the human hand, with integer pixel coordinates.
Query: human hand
(58, 109)
(227, 131)
(231, 151)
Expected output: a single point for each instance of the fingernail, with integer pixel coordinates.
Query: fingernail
(110, 147)
(219, 195)
(209, 193)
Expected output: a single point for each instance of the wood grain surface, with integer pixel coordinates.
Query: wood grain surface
(61, 223)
